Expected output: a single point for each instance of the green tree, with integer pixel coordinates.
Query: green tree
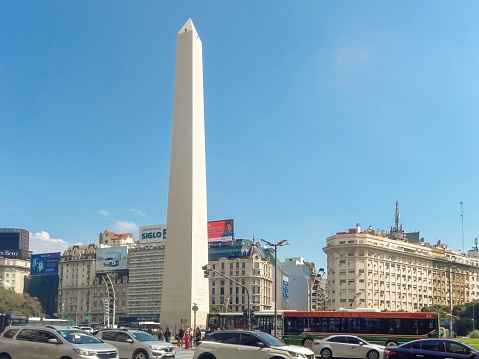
(13, 302)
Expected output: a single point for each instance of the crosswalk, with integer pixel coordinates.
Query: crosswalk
(184, 353)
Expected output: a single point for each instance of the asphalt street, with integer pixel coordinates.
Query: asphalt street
(184, 353)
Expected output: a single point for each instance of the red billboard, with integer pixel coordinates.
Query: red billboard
(221, 231)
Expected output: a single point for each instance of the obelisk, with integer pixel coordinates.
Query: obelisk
(186, 247)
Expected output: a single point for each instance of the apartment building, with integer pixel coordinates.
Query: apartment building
(13, 272)
(391, 271)
(245, 262)
(86, 294)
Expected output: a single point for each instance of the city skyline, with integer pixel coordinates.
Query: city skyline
(317, 117)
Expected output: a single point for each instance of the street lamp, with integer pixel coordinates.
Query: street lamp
(281, 243)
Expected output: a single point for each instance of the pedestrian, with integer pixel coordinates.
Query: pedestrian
(167, 334)
(160, 333)
(181, 334)
(197, 336)
(187, 337)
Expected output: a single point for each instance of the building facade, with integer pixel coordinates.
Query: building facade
(88, 295)
(245, 262)
(13, 272)
(145, 265)
(372, 269)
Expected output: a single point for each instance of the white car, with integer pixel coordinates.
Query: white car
(136, 344)
(346, 346)
(244, 344)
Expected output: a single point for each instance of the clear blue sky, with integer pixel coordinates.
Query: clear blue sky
(319, 115)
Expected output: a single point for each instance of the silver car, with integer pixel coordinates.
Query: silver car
(346, 346)
(49, 342)
(136, 344)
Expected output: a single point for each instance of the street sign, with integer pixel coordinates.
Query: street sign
(87, 317)
(194, 308)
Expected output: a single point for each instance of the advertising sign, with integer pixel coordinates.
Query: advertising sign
(153, 233)
(44, 263)
(9, 253)
(285, 288)
(111, 258)
(221, 231)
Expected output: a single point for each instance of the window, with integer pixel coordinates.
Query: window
(26, 334)
(108, 336)
(10, 333)
(123, 337)
(228, 338)
(248, 339)
(44, 336)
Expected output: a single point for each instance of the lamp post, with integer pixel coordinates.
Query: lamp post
(451, 332)
(281, 243)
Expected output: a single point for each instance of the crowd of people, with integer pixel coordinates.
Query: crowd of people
(186, 337)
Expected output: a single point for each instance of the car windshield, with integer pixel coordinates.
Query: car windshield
(143, 337)
(79, 337)
(270, 340)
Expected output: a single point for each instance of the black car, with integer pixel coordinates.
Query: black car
(432, 349)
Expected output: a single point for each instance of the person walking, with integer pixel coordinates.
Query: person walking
(187, 337)
(160, 333)
(167, 334)
(181, 334)
(197, 336)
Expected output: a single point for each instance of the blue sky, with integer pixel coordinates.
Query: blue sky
(318, 115)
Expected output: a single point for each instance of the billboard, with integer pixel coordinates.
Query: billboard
(153, 233)
(44, 263)
(15, 239)
(221, 231)
(111, 258)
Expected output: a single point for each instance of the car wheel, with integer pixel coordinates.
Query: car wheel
(372, 354)
(308, 343)
(391, 343)
(4, 356)
(326, 353)
(207, 356)
(140, 355)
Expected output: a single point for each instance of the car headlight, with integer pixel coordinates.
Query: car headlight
(88, 353)
(155, 347)
(297, 355)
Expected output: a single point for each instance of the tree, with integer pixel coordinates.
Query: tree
(15, 303)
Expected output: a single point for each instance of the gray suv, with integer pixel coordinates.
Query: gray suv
(244, 344)
(49, 342)
(136, 344)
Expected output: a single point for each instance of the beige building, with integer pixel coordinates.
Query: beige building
(367, 269)
(83, 292)
(246, 263)
(12, 273)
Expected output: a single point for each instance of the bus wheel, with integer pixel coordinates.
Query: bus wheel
(391, 343)
(326, 353)
(372, 354)
(308, 343)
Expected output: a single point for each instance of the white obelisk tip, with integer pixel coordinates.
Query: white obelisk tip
(188, 26)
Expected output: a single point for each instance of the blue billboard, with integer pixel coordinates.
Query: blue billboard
(44, 264)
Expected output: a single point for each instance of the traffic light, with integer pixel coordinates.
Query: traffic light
(252, 314)
(206, 271)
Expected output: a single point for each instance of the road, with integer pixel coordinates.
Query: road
(184, 353)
